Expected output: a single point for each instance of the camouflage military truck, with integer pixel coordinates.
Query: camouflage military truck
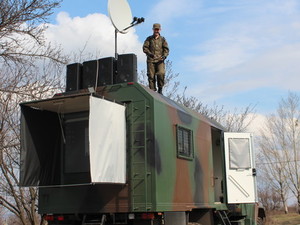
(124, 154)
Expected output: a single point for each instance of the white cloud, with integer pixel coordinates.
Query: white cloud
(94, 33)
(277, 68)
(257, 124)
(166, 10)
(260, 50)
(237, 43)
(222, 53)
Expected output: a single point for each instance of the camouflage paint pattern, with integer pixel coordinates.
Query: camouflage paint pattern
(158, 180)
(177, 184)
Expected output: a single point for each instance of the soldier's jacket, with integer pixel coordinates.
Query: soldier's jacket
(155, 49)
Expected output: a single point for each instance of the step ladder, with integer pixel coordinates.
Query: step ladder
(91, 223)
(140, 174)
(224, 217)
(94, 222)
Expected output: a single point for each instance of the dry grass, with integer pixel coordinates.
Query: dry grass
(283, 219)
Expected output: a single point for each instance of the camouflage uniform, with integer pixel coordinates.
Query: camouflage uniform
(156, 50)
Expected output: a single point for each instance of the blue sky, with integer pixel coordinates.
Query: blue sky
(231, 52)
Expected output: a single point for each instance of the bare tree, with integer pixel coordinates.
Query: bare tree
(272, 173)
(289, 110)
(171, 82)
(2, 219)
(30, 69)
(23, 84)
(22, 26)
(237, 120)
(273, 162)
(279, 145)
(269, 198)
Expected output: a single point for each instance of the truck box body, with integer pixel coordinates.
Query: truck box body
(175, 159)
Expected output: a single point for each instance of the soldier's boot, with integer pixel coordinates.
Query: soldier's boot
(152, 86)
(160, 91)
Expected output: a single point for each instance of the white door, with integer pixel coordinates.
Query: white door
(240, 168)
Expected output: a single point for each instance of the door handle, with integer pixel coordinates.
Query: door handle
(253, 172)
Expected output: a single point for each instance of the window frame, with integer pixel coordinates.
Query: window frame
(181, 154)
(234, 156)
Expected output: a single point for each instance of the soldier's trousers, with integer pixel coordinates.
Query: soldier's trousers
(157, 69)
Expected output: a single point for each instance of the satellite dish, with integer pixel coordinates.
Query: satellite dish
(120, 15)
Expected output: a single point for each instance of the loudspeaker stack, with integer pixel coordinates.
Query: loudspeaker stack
(101, 72)
(74, 77)
(126, 69)
(98, 72)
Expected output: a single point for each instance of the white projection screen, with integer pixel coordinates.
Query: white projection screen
(107, 141)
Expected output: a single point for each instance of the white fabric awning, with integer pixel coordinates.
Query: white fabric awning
(107, 141)
(42, 127)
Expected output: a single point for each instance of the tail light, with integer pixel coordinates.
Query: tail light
(60, 218)
(52, 218)
(49, 217)
(148, 216)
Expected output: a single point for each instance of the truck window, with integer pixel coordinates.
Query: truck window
(184, 142)
(239, 153)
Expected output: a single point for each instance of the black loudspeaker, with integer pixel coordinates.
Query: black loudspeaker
(74, 77)
(126, 69)
(105, 69)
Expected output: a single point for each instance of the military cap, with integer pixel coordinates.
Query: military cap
(156, 26)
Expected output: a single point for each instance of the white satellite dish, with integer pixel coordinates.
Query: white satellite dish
(120, 15)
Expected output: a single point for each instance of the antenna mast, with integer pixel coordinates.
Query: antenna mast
(121, 17)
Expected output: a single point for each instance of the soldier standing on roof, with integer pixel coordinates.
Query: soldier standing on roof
(156, 48)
